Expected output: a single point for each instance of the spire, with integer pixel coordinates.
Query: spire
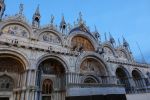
(119, 42)
(63, 24)
(52, 19)
(96, 33)
(80, 20)
(105, 36)
(36, 18)
(37, 10)
(2, 8)
(125, 43)
(111, 39)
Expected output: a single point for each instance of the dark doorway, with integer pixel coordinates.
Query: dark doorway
(4, 98)
(99, 97)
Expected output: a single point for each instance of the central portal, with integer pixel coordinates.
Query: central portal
(51, 79)
(4, 98)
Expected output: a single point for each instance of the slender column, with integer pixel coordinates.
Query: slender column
(29, 77)
(19, 79)
(34, 77)
(24, 78)
(27, 95)
(14, 95)
(22, 95)
(36, 94)
(33, 94)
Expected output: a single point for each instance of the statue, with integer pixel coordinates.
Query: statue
(52, 19)
(21, 9)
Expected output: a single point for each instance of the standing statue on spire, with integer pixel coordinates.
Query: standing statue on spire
(80, 20)
(21, 9)
(52, 19)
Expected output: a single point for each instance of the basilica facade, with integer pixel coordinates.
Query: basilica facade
(64, 62)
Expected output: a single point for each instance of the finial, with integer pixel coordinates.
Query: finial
(95, 28)
(80, 20)
(97, 35)
(110, 36)
(21, 9)
(52, 19)
(80, 15)
(63, 24)
(69, 26)
(105, 36)
(111, 39)
(119, 42)
(37, 10)
(125, 43)
(63, 19)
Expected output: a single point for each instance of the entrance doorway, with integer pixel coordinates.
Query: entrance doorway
(4, 98)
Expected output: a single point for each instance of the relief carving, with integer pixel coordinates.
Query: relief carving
(15, 30)
(50, 37)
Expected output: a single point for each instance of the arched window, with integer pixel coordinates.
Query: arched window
(6, 83)
(47, 89)
(47, 86)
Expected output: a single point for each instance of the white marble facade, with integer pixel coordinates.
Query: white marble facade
(43, 63)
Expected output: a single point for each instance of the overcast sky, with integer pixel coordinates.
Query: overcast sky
(130, 18)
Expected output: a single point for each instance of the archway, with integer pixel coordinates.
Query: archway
(138, 79)
(92, 66)
(12, 69)
(52, 72)
(123, 78)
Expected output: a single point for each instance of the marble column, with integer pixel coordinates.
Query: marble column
(22, 95)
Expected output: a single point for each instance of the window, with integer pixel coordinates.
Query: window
(6, 83)
(47, 87)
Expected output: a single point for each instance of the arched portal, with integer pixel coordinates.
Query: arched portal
(93, 67)
(123, 78)
(12, 69)
(138, 78)
(51, 76)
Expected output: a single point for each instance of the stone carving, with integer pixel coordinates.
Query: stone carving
(50, 37)
(108, 51)
(122, 54)
(91, 66)
(79, 42)
(15, 30)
